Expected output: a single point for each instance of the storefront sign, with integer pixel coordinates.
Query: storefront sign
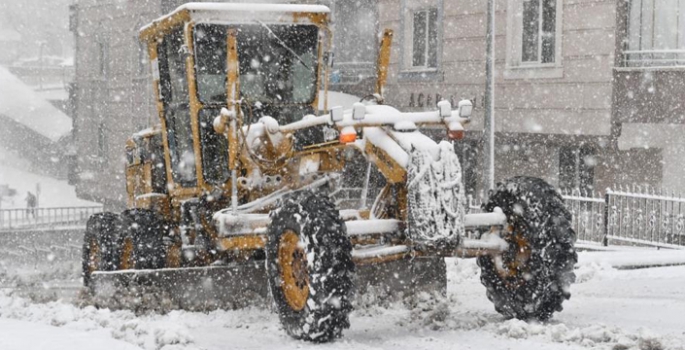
(420, 100)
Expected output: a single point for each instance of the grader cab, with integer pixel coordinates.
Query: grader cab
(230, 195)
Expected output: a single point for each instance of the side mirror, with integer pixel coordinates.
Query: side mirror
(184, 51)
(465, 109)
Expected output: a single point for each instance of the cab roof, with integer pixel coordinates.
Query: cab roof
(234, 13)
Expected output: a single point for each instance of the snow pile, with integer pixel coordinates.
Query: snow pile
(590, 336)
(30, 336)
(148, 331)
(631, 258)
(586, 271)
(430, 310)
(460, 270)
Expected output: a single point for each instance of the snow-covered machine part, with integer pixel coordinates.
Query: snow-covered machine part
(230, 224)
(382, 115)
(435, 198)
(275, 196)
(382, 125)
(235, 13)
(372, 226)
(496, 218)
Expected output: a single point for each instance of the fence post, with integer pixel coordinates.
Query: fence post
(605, 239)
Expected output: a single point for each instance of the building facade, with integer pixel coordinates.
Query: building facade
(562, 102)
(649, 76)
(584, 98)
(112, 92)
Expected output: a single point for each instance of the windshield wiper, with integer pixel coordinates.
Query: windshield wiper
(283, 44)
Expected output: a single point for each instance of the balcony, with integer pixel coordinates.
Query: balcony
(654, 59)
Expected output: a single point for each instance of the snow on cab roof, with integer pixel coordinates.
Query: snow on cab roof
(23, 105)
(197, 7)
(204, 6)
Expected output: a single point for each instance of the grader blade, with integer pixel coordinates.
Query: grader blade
(193, 289)
(242, 285)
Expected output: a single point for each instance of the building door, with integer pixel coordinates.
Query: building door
(576, 168)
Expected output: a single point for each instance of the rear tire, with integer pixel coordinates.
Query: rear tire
(532, 279)
(101, 245)
(145, 230)
(310, 268)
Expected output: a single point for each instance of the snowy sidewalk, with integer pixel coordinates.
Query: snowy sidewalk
(22, 335)
(633, 258)
(609, 309)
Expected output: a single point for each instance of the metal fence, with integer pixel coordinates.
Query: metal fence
(588, 211)
(646, 216)
(38, 218)
(629, 215)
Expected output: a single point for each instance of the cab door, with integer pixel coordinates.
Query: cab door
(178, 124)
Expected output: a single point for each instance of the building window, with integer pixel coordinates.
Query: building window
(539, 31)
(656, 33)
(533, 39)
(425, 39)
(577, 168)
(421, 40)
(355, 50)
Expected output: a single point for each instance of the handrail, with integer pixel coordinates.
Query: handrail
(45, 217)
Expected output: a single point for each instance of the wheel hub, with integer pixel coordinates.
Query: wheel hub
(94, 256)
(127, 254)
(512, 264)
(294, 274)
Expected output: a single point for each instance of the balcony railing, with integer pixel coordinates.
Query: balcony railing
(653, 58)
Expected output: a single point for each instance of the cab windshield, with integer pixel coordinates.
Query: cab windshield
(278, 63)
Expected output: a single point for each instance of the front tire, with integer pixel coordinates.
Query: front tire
(531, 280)
(310, 268)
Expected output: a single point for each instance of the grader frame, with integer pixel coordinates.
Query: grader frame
(242, 157)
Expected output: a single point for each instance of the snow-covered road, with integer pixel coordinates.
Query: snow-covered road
(610, 309)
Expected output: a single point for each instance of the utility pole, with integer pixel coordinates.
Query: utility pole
(489, 123)
(42, 64)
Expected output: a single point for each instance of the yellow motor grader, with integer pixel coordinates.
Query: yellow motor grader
(230, 195)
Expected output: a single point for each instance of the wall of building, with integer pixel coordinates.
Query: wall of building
(648, 107)
(113, 93)
(537, 109)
